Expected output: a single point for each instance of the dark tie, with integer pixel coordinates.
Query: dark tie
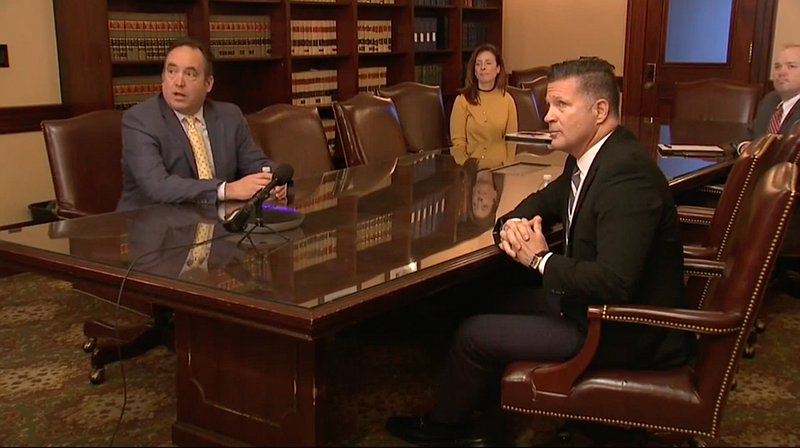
(775, 122)
(575, 182)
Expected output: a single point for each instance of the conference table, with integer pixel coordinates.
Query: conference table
(252, 324)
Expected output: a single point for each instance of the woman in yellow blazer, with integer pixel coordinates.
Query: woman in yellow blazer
(483, 112)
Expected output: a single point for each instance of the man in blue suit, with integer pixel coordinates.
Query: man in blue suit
(182, 147)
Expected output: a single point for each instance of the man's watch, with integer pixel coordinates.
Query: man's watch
(536, 259)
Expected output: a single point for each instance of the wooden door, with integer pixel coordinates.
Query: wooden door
(668, 41)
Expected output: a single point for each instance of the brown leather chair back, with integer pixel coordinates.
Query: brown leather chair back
(749, 257)
(421, 111)
(518, 77)
(85, 154)
(368, 129)
(293, 135)
(684, 399)
(539, 87)
(527, 115)
(715, 100)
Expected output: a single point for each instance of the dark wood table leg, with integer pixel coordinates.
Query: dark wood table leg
(241, 385)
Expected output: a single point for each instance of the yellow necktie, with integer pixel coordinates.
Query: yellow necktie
(199, 252)
(199, 149)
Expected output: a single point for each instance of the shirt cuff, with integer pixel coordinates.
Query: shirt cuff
(221, 191)
(544, 262)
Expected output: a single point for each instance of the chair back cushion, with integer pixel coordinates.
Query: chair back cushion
(715, 100)
(293, 135)
(369, 129)
(528, 118)
(518, 77)
(421, 112)
(539, 87)
(85, 155)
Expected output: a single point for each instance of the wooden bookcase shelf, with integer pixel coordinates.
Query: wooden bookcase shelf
(88, 68)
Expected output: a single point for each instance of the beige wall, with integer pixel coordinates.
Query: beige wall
(32, 79)
(542, 32)
(786, 29)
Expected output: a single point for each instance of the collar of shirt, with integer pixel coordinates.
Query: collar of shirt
(199, 115)
(585, 162)
(788, 105)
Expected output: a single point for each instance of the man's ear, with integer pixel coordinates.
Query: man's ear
(601, 109)
(209, 83)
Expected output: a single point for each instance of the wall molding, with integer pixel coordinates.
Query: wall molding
(14, 120)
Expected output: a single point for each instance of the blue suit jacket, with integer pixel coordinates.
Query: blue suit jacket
(157, 161)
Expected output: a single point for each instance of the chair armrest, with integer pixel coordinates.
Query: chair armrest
(697, 267)
(702, 252)
(698, 321)
(559, 378)
(712, 189)
(691, 214)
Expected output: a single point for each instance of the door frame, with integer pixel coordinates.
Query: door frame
(635, 33)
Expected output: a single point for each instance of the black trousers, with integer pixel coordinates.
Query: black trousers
(527, 327)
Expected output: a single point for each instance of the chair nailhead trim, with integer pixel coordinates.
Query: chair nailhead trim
(705, 274)
(608, 421)
(662, 323)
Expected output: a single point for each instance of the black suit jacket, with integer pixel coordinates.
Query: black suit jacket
(624, 248)
(764, 113)
(158, 165)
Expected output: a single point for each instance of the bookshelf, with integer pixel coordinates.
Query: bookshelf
(110, 51)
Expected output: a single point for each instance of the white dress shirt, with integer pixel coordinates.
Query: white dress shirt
(788, 105)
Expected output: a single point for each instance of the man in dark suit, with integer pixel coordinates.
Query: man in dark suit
(621, 247)
(779, 110)
(181, 147)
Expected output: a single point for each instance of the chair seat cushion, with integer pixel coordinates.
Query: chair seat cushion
(614, 397)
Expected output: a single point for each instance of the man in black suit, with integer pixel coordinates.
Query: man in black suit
(778, 111)
(621, 247)
(181, 147)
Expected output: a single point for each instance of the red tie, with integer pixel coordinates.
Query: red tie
(775, 122)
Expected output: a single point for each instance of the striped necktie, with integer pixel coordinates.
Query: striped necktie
(575, 182)
(775, 122)
(198, 149)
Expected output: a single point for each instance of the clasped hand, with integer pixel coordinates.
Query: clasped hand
(521, 239)
(249, 185)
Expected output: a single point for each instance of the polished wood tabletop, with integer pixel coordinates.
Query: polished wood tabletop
(372, 238)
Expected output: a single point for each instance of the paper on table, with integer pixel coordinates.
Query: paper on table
(690, 148)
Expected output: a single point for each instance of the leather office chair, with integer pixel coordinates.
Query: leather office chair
(684, 400)
(293, 135)
(368, 129)
(518, 77)
(715, 100)
(528, 118)
(421, 111)
(85, 154)
(795, 129)
(539, 87)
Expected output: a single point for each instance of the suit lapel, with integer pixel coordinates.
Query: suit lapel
(176, 132)
(216, 135)
(791, 118)
(587, 183)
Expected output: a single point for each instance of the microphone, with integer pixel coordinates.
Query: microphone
(238, 219)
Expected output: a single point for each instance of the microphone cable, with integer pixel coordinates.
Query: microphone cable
(116, 320)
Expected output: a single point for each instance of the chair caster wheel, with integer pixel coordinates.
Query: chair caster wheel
(760, 326)
(749, 352)
(564, 436)
(98, 376)
(734, 385)
(89, 345)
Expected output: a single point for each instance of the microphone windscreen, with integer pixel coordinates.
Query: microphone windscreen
(283, 174)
